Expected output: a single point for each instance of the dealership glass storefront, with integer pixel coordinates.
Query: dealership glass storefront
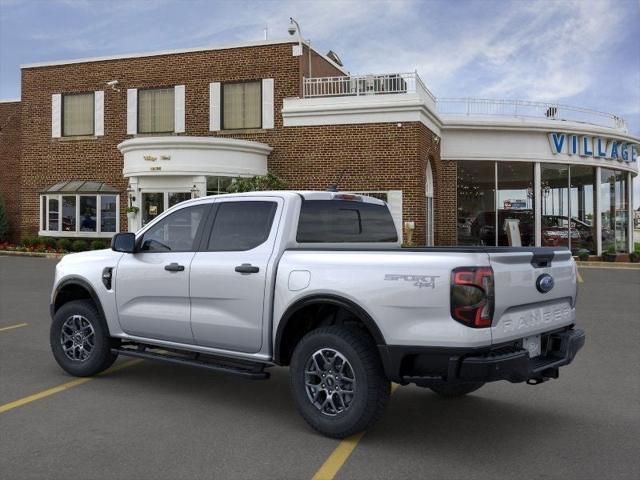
(492, 195)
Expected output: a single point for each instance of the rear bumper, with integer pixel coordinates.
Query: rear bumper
(434, 365)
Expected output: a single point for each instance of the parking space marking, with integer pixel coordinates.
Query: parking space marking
(61, 388)
(340, 455)
(580, 280)
(11, 327)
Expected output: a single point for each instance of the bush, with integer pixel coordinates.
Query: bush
(583, 255)
(48, 242)
(98, 245)
(256, 184)
(64, 244)
(4, 222)
(29, 242)
(79, 246)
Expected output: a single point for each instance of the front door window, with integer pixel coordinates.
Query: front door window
(152, 206)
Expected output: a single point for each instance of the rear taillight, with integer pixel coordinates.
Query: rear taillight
(472, 297)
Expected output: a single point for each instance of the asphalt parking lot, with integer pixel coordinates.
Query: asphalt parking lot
(157, 421)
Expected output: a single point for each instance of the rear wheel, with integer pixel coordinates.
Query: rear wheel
(337, 381)
(80, 339)
(456, 390)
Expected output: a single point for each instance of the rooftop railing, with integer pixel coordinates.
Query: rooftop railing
(528, 109)
(357, 85)
(402, 83)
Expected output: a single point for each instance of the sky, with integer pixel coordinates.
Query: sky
(584, 53)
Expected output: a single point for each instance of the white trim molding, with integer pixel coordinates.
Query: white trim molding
(214, 107)
(132, 111)
(98, 112)
(179, 110)
(186, 156)
(268, 103)
(56, 115)
(392, 108)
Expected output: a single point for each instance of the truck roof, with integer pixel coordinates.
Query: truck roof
(305, 194)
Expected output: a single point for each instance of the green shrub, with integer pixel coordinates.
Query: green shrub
(611, 249)
(79, 246)
(29, 241)
(583, 255)
(48, 242)
(98, 245)
(257, 183)
(64, 244)
(636, 247)
(4, 222)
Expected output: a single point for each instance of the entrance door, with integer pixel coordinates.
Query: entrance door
(152, 284)
(228, 278)
(152, 206)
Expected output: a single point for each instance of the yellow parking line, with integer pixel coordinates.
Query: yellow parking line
(580, 280)
(339, 456)
(61, 388)
(11, 327)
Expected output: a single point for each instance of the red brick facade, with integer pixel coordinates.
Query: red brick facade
(381, 156)
(10, 161)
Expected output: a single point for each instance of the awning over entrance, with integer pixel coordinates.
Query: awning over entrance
(81, 186)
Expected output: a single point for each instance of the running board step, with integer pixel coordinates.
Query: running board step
(246, 370)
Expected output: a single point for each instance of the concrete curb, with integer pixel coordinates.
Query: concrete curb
(618, 265)
(11, 253)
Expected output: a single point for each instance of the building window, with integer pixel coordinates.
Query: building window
(78, 114)
(75, 215)
(218, 185)
(516, 203)
(156, 110)
(241, 105)
(476, 203)
(614, 210)
(581, 204)
(555, 205)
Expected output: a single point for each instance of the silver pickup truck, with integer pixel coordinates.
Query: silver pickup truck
(316, 281)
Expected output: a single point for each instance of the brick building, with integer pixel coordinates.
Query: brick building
(91, 137)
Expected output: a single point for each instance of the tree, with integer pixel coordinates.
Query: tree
(256, 184)
(4, 222)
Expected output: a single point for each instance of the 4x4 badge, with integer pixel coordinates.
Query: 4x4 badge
(419, 281)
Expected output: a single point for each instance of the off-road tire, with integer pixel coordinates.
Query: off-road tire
(456, 390)
(372, 389)
(100, 357)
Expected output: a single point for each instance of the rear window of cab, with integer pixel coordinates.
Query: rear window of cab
(343, 221)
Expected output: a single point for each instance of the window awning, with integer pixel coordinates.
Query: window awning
(81, 186)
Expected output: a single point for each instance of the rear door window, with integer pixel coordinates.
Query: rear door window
(343, 221)
(240, 226)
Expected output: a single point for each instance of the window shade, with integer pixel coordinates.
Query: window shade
(77, 114)
(242, 105)
(156, 110)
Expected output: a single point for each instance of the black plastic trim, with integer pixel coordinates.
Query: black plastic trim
(245, 371)
(326, 299)
(81, 282)
(507, 361)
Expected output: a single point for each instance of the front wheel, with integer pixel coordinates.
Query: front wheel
(80, 339)
(337, 381)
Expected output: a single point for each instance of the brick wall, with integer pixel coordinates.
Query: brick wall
(47, 160)
(444, 188)
(10, 163)
(372, 156)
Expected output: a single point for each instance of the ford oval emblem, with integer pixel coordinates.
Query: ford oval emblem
(545, 283)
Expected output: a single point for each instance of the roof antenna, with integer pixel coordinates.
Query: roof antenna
(333, 187)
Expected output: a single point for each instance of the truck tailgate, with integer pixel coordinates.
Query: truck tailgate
(521, 308)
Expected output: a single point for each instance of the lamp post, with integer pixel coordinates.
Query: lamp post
(294, 27)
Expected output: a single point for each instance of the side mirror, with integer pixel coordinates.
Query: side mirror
(124, 242)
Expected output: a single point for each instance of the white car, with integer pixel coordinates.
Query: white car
(316, 281)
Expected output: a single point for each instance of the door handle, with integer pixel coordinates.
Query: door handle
(174, 267)
(247, 268)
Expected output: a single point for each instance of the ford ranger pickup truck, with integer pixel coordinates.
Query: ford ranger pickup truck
(318, 282)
